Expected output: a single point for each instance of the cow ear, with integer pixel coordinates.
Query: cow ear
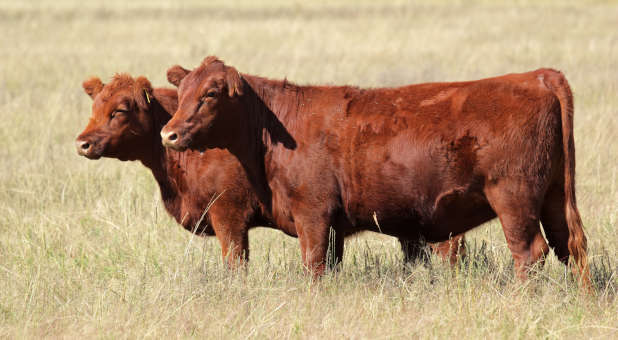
(176, 74)
(93, 86)
(143, 92)
(234, 81)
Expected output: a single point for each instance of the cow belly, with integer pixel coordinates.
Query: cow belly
(452, 216)
(455, 213)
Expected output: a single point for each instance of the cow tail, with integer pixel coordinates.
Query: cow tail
(577, 239)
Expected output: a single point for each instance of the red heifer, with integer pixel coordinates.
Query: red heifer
(426, 161)
(127, 116)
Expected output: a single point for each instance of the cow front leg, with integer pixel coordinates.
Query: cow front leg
(232, 232)
(234, 248)
(313, 238)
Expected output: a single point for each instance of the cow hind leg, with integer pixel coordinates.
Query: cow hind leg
(450, 250)
(517, 207)
(414, 251)
(554, 223)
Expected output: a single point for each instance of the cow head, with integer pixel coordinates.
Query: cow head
(120, 126)
(208, 98)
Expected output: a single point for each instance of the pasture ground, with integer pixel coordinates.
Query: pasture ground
(86, 248)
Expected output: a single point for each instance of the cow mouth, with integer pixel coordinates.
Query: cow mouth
(93, 155)
(94, 150)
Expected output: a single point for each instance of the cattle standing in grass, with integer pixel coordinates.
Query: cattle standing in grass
(127, 116)
(427, 161)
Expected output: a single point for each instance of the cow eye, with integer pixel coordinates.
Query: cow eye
(118, 111)
(209, 94)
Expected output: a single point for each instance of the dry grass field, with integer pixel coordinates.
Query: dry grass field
(87, 250)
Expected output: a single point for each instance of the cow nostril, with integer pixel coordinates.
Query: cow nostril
(170, 138)
(85, 145)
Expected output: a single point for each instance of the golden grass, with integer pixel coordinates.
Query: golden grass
(86, 248)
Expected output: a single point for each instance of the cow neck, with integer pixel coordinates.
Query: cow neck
(268, 106)
(277, 104)
(158, 158)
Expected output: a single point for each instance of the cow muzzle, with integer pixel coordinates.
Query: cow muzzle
(171, 139)
(86, 148)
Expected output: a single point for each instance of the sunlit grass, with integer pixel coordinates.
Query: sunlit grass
(88, 250)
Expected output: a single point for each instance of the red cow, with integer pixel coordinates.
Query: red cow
(426, 161)
(127, 116)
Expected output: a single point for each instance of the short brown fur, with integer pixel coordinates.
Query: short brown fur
(427, 161)
(188, 181)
